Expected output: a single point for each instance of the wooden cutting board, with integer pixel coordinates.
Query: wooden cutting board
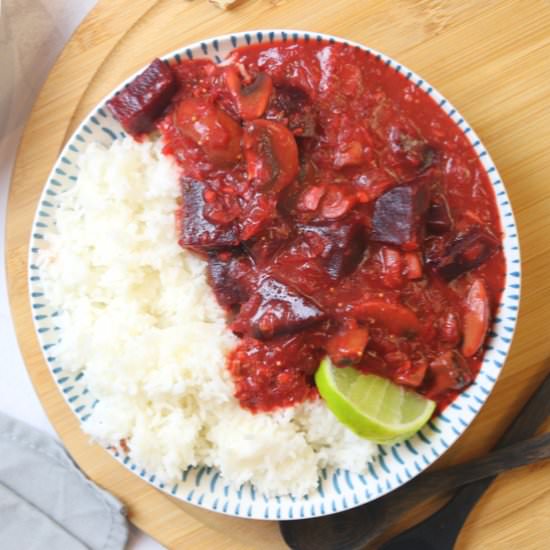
(491, 58)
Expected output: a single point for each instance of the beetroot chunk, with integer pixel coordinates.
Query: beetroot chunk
(399, 216)
(197, 231)
(142, 102)
(465, 253)
(342, 244)
(320, 255)
(269, 242)
(275, 309)
(232, 276)
(439, 219)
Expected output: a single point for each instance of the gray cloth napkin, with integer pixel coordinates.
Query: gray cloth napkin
(46, 503)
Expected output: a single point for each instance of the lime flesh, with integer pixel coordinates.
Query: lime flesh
(371, 406)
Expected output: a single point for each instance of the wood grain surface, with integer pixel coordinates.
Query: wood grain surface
(490, 58)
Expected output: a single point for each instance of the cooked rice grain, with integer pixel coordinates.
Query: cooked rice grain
(141, 322)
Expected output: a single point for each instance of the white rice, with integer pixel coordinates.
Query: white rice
(141, 322)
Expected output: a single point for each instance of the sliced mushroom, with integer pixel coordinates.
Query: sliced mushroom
(476, 318)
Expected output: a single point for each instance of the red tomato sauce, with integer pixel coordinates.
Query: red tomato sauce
(341, 212)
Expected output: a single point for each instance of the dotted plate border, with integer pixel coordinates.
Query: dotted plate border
(338, 489)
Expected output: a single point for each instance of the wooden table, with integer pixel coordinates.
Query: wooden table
(491, 58)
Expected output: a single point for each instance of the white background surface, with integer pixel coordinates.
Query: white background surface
(32, 33)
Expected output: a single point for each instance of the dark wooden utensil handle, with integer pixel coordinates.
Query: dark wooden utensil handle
(499, 461)
(443, 527)
(423, 487)
(355, 528)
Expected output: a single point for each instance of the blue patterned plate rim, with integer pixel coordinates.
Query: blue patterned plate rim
(338, 489)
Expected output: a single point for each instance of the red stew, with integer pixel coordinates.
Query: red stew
(341, 211)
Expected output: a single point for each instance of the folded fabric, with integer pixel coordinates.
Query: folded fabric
(45, 500)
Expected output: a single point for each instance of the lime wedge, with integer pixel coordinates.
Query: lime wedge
(371, 406)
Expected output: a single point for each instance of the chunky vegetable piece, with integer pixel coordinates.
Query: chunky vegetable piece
(319, 254)
(399, 216)
(231, 275)
(476, 318)
(276, 309)
(439, 220)
(465, 253)
(271, 155)
(197, 231)
(143, 101)
(347, 346)
(341, 212)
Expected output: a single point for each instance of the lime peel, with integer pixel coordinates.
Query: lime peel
(371, 406)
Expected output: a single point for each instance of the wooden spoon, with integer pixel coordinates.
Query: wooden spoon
(355, 528)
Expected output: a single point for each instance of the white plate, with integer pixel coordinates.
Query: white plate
(338, 489)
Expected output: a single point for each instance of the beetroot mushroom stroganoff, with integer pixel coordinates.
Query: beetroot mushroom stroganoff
(341, 213)
(348, 231)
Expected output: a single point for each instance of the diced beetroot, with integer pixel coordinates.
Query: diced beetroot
(346, 347)
(251, 100)
(318, 251)
(342, 243)
(275, 309)
(212, 129)
(476, 318)
(438, 219)
(343, 254)
(292, 106)
(307, 275)
(198, 233)
(143, 101)
(399, 216)
(271, 155)
(263, 247)
(449, 371)
(465, 253)
(299, 263)
(231, 275)
(260, 211)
